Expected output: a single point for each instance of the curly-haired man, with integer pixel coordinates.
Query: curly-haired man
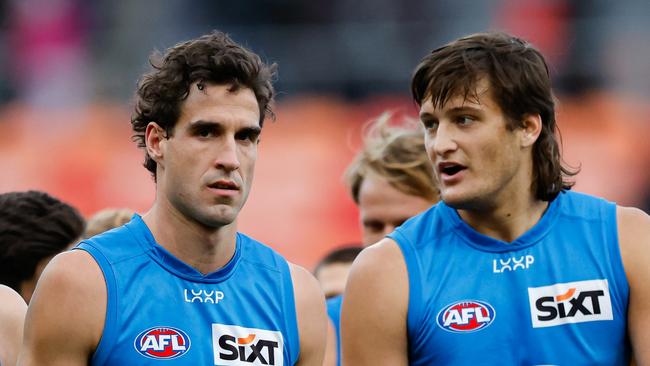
(180, 283)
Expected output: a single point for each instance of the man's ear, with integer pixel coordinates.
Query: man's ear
(154, 137)
(531, 127)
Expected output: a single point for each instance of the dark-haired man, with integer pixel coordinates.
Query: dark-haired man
(180, 284)
(34, 227)
(511, 268)
(332, 270)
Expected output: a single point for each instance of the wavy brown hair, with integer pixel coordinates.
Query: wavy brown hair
(213, 58)
(397, 154)
(519, 82)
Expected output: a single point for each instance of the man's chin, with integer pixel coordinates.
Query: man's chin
(219, 217)
(456, 200)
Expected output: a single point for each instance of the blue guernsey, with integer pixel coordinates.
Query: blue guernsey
(162, 311)
(558, 295)
(334, 313)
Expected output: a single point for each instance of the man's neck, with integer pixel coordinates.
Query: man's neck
(203, 248)
(507, 221)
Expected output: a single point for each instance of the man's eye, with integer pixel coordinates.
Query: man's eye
(205, 132)
(465, 120)
(430, 124)
(251, 136)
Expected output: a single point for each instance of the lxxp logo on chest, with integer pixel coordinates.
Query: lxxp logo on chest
(234, 345)
(572, 302)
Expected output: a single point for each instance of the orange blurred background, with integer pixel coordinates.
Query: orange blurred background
(299, 203)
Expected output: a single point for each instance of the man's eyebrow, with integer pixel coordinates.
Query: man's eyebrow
(426, 115)
(464, 109)
(203, 123)
(251, 129)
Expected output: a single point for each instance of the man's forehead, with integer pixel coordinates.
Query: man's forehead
(202, 91)
(475, 96)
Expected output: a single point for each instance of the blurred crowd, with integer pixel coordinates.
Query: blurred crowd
(68, 69)
(65, 52)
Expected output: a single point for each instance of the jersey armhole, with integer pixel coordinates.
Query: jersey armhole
(109, 332)
(617, 265)
(414, 309)
(291, 322)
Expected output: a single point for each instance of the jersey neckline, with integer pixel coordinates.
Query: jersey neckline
(486, 243)
(174, 265)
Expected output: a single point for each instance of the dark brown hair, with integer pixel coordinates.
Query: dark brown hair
(33, 226)
(519, 83)
(343, 254)
(212, 58)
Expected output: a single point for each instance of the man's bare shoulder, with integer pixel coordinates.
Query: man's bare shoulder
(12, 317)
(375, 304)
(304, 280)
(634, 242)
(383, 256)
(75, 269)
(634, 237)
(311, 316)
(70, 298)
(11, 301)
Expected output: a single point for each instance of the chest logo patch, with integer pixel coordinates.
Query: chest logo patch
(466, 316)
(571, 302)
(162, 343)
(235, 345)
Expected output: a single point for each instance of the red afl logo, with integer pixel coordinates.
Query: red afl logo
(162, 343)
(466, 316)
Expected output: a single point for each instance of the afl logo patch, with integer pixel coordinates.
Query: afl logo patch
(162, 343)
(466, 316)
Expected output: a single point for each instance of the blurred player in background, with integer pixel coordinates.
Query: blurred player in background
(332, 270)
(107, 219)
(390, 180)
(12, 317)
(180, 284)
(34, 227)
(332, 273)
(511, 267)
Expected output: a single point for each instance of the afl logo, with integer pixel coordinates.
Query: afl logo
(162, 343)
(466, 316)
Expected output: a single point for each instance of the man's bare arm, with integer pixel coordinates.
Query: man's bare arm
(634, 240)
(375, 304)
(12, 318)
(66, 315)
(311, 316)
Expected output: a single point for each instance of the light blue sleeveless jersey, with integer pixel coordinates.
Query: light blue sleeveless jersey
(161, 311)
(334, 313)
(558, 295)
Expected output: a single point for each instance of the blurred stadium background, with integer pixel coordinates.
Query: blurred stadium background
(68, 69)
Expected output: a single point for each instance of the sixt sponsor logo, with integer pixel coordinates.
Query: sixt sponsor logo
(204, 296)
(162, 343)
(512, 264)
(234, 345)
(571, 302)
(466, 316)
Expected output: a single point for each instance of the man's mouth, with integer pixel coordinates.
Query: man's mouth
(450, 168)
(224, 184)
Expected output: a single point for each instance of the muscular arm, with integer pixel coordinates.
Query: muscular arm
(634, 240)
(311, 315)
(373, 319)
(66, 315)
(330, 349)
(12, 317)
